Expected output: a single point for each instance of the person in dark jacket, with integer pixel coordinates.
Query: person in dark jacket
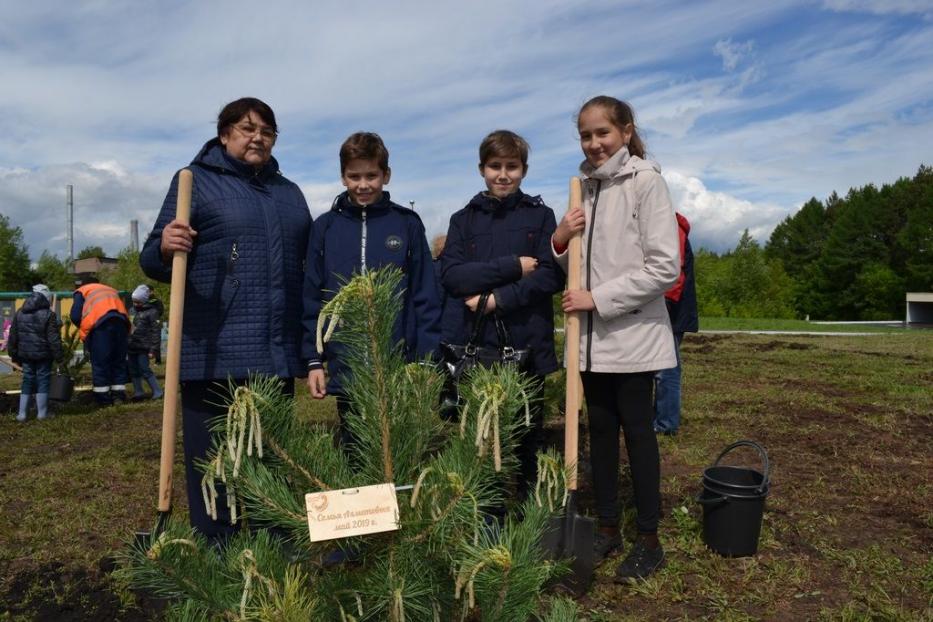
(500, 244)
(34, 343)
(104, 326)
(160, 310)
(144, 340)
(364, 230)
(681, 301)
(246, 243)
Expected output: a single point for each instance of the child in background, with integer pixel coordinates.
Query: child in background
(500, 244)
(630, 251)
(144, 340)
(364, 230)
(160, 309)
(35, 342)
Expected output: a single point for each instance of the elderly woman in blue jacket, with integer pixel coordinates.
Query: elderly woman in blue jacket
(246, 242)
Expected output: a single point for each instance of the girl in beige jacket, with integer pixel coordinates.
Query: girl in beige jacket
(630, 258)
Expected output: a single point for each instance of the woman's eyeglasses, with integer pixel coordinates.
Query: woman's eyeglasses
(249, 130)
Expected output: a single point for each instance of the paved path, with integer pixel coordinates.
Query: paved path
(790, 332)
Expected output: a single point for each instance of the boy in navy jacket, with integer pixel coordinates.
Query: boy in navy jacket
(365, 230)
(500, 244)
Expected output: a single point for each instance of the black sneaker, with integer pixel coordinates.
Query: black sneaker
(640, 563)
(605, 543)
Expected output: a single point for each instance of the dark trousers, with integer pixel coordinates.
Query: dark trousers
(623, 401)
(531, 439)
(106, 347)
(201, 402)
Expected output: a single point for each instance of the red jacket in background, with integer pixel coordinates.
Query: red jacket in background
(683, 230)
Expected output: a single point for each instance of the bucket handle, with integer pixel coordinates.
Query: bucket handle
(711, 501)
(761, 451)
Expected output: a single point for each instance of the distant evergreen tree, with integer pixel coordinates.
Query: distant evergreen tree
(709, 271)
(54, 272)
(91, 251)
(798, 240)
(743, 283)
(853, 258)
(915, 239)
(14, 257)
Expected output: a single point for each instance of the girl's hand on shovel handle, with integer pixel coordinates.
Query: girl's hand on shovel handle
(176, 236)
(574, 220)
(577, 300)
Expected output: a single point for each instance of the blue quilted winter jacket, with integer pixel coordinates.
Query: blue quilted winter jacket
(243, 294)
(391, 235)
(484, 242)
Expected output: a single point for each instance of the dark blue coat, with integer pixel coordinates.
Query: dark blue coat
(484, 241)
(683, 313)
(147, 329)
(34, 336)
(394, 235)
(243, 292)
(452, 309)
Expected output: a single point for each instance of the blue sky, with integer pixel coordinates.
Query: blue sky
(750, 108)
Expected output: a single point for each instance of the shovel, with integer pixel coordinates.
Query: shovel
(172, 364)
(571, 535)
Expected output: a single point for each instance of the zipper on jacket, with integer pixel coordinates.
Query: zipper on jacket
(231, 264)
(589, 257)
(363, 243)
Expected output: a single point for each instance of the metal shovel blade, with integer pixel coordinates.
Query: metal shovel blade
(571, 536)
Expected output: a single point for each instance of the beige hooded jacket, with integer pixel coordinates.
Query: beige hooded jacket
(631, 256)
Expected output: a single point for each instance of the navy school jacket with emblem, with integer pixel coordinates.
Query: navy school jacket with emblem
(484, 241)
(243, 293)
(348, 239)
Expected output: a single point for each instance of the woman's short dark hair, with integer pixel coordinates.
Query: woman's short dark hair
(236, 110)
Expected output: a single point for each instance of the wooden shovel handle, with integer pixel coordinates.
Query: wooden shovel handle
(572, 340)
(173, 357)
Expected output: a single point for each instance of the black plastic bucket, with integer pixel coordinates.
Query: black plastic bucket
(733, 500)
(61, 387)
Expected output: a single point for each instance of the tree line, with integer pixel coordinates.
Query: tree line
(17, 274)
(851, 258)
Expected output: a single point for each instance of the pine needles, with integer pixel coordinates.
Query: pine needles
(449, 560)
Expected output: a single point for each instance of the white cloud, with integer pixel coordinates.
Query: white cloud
(106, 198)
(718, 219)
(881, 7)
(321, 196)
(732, 53)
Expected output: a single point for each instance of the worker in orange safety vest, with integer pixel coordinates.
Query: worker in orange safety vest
(103, 325)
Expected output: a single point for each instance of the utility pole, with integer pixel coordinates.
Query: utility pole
(70, 219)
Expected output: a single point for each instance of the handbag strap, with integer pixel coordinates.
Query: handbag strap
(502, 332)
(479, 322)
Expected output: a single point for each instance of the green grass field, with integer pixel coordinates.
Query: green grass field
(847, 532)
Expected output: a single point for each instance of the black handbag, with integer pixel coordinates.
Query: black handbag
(459, 359)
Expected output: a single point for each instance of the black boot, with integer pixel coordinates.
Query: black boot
(645, 558)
